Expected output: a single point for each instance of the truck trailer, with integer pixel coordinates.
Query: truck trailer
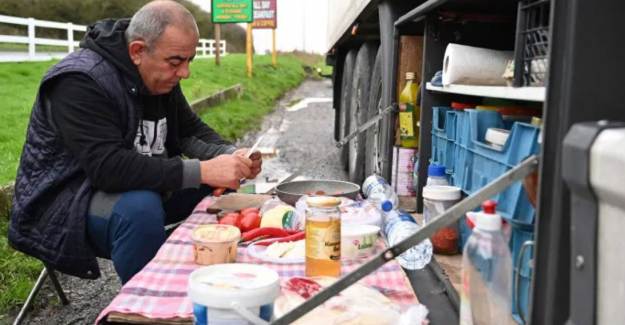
(568, 247)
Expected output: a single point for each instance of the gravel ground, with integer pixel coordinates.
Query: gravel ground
(304, 139)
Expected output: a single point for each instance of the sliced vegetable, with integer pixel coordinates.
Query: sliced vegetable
(297, 236)
(304, 287)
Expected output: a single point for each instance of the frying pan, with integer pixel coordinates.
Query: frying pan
(290, 192)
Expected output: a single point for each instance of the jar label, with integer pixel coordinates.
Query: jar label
(323, 239)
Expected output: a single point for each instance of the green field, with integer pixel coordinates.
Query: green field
(18, 86)
(19, 82)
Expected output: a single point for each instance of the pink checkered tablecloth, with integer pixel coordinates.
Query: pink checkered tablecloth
(159, 291)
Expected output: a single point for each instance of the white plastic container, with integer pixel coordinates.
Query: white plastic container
(233, 294)
(437, 199)
(358, 241)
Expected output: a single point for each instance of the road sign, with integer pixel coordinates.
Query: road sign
(232, 11)
(265, 14)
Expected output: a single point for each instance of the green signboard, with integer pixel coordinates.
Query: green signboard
(232, 11)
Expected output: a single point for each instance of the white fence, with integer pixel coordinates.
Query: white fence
(206, 47)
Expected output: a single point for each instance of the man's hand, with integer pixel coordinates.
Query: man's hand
(257, 161)
(225, 170)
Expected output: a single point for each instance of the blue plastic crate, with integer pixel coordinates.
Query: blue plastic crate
(463, 164)
(463, 158)
(479, 121)
(521, 233)
(488, 163)
(442, 146)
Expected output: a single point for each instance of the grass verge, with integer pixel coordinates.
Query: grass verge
(236, 117)
(18, 87)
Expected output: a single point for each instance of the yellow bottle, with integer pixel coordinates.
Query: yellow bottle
(323, 236)
(409, 113)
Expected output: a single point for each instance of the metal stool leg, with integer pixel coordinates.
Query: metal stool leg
(46, 272)
(57, 286)
(42, 277)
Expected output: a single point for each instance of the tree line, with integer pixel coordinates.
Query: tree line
(85, 12)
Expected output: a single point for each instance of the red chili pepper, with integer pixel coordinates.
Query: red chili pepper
(295, 237)
(265, 231)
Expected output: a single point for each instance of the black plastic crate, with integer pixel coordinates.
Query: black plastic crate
(531, 60)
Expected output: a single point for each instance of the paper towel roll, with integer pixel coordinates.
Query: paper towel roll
(474, 65)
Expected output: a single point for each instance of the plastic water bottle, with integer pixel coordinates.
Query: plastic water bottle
(380, 193)
(397, 227)
(436, 175)
(486, 272)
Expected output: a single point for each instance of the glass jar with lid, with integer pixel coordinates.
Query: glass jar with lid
(323, 236)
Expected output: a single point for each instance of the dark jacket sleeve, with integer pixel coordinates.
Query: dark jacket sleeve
(90, 126)
(198, 140)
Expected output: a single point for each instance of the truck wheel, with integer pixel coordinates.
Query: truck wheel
(372, 152)
(359, 108)
(346, 95)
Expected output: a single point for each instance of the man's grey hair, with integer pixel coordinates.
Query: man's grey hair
(149, 23)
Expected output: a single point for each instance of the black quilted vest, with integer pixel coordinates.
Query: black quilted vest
(52, 192)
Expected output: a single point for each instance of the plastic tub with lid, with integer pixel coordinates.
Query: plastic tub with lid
(358, 241)
(233, 294)
(214, 244)
(437, 199)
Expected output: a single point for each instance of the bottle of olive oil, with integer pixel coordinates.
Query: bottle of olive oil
(409, 113)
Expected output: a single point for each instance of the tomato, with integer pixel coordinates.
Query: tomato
(248, 210)
(231, 218)
(249, 221)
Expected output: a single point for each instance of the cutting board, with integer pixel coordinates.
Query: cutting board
(237, 201)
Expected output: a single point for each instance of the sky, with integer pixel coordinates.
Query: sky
(302, 25)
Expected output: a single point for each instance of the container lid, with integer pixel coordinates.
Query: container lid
(216, 233)
(488, 219)
(436, 170)
(459, 105)
(323, 201)
(221, 285)
(441, 192)
(358, 230)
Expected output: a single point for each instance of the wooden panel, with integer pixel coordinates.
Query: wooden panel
(410, 55)
(410, 58)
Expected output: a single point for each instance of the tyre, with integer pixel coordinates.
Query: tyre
(346, 95)
(359, 109)
(372, 149)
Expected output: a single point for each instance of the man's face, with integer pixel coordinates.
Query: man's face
(167, 61)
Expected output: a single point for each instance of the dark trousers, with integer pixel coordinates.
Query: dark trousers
(131, 227)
